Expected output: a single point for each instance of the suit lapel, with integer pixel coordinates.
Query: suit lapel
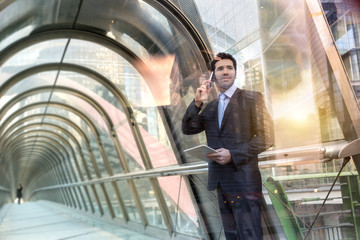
(234, 100)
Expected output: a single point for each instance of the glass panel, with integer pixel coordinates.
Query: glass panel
(99, 160)
(65, 126)
(87, 157)
(155, 137)
(77, 198)
(103, 97)
(151, 206)
(75, 119)
(148, 118)
(92, 114)
(355, 65)
(92, 191)
(304, 193)
(12, 128)
(87, 85)
(133, 22)
(32, 99)
(112, 66)
(104, 205)
(111, 154)
(81, 161)
(85, 190)
(49, 51)
(42, 13)
(34, 81)
(180, 205)
(282, 55)
(113, 199)
(355, 24)
(129, 202)
(340, 35)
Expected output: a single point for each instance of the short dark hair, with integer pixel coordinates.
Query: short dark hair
(220, 56)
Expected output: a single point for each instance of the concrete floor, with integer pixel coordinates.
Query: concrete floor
(43, 221)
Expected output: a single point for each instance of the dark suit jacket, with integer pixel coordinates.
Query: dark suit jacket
(246, 131)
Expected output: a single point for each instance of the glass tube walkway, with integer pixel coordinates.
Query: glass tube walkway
(92, 97)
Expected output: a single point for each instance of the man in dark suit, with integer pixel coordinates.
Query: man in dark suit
(244, 131)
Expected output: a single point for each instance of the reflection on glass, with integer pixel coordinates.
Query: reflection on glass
(150, 203)
(291, 68)
(92, 192)
(111, 65)
(49, 51)
(100, 192)
(16, 106)
(113, 199)
(180, 205)
(130, 204)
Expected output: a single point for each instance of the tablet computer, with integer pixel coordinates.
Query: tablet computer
(200, 152)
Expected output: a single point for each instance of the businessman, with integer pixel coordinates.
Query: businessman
(239, 127)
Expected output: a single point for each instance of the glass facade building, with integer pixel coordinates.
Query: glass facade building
(92, 94)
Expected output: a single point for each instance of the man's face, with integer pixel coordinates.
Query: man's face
(225, 74)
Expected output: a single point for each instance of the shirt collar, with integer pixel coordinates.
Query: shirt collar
(230, 91)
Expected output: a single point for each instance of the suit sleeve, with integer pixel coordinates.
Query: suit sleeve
(192, 122)
(262, 128)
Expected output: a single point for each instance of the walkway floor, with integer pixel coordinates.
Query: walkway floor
(42, 221)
